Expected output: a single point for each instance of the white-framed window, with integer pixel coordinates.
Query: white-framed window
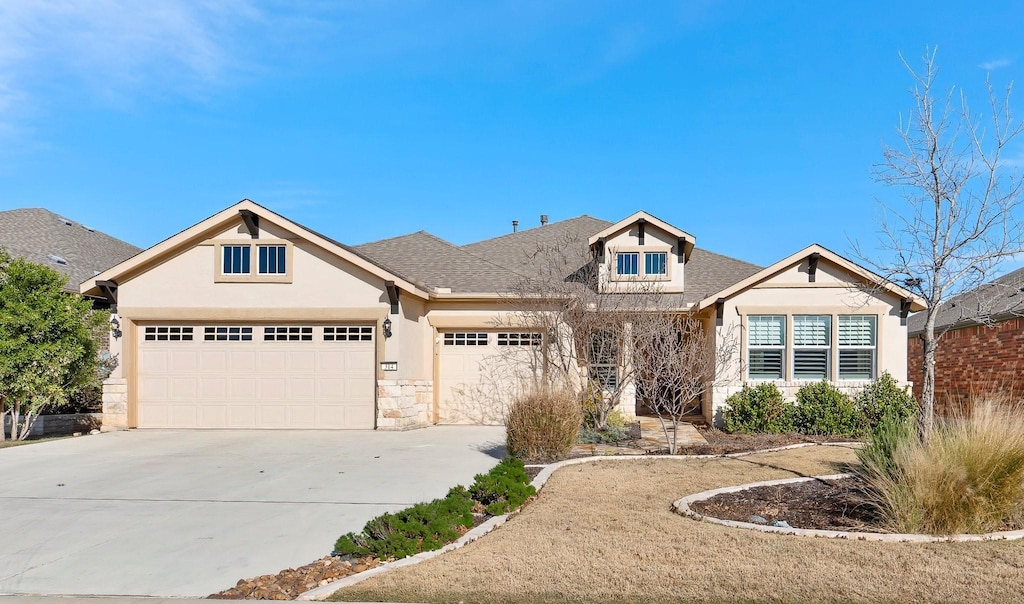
(348, 333)
(227, 334)
(812, 335)
(766, 347)
(465, 339)
(291, 333)
(627, 263)
(168, 333)
(235, 259)
(857, 343)
(603, 355)
(272, 259)
(520, 339)
(656, 263)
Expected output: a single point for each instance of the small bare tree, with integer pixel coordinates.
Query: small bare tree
(959, 220)
(586, 331)
(676, 364)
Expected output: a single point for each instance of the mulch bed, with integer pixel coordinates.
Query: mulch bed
(722, 443)
(816, 504)
(288, 584)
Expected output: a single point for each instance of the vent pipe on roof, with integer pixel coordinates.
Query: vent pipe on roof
(515, 226)
(543, 219)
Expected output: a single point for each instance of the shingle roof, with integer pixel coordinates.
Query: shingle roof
(997, 299)
(40, 236)
(498, 264)
(438, 263)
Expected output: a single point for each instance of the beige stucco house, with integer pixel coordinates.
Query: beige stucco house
(249, 320)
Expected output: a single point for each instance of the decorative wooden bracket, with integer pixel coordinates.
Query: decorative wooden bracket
(392, 295)
(640, 229)
(109, 291)
(681, 250)
(812, 266)
(904, 310)
(719, 312)
(252, 223)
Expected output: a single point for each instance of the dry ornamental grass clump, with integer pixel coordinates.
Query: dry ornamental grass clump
(543, 425)
(967, 477)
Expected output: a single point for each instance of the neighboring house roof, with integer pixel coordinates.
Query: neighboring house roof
(440, 264)
(42, 237)
(209, 226)
(996, 300)
(870, 278)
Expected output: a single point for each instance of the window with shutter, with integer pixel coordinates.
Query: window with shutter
(857, 347)
(766, 347)
(811, 337)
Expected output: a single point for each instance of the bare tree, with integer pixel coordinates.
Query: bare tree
(959, 220)
(586, 332)
(676, 364)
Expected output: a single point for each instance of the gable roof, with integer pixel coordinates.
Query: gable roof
(40, 236)
(515, 250)
(643, 216)
(814, 248)
(210, 226)
(440, 264)
(998, 299)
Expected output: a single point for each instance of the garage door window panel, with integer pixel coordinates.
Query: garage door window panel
(168, 333)
(348, 333)
(227, 334)
(466, 339)
(289, 333)
(520, 339)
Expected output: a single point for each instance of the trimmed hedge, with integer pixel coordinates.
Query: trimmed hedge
(883, 399)
(432, 525)
(823, 410)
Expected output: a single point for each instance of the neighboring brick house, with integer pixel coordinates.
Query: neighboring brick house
(975, 356)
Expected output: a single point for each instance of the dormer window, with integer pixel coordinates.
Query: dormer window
(656, 263)
(272, 259)
(239, 261)
(627, 263)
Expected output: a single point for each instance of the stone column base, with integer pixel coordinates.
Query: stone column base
(115, 404)
(404, 404)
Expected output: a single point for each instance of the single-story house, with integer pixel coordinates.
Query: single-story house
(981, 344)
(249, 320)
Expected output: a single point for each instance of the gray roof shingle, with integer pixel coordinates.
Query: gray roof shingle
(40, 236)
(437, 263)
(497, 264)
(998, 299)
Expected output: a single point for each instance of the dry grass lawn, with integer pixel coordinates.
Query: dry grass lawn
(603, 532)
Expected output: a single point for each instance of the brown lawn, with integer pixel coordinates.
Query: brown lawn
(603, 532)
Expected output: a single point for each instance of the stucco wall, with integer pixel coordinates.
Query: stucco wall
(655, 240)
(789, 293)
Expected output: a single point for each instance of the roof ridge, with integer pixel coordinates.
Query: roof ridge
(535, 228)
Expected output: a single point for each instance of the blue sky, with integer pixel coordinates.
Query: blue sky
(752, 125)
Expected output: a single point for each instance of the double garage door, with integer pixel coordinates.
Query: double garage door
(256, 376)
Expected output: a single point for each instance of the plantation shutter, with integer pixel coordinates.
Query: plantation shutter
(811, 330)
(857, 330)
(811, 336)
(857, 347)
(766, 330)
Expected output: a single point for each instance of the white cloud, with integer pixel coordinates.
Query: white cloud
(995, 64)
(111, 51)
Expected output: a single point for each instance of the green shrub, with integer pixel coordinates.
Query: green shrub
(504, 488)
(543, 425)
(878, 455)
(758, 409)
(610, 435)
(884, 398)
(823, 410)
(423, 527)
(967, 477)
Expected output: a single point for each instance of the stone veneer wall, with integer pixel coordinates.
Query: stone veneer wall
(404, 404)
(115, 404)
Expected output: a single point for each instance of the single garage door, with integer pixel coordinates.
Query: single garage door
(482, 372)
(256, 376)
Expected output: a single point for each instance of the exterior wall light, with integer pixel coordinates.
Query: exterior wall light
(387, 328)
(115, 327)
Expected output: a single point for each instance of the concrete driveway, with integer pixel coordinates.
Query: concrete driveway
(188, 513)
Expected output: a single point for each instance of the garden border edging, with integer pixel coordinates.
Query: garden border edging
(322, 592)
(682, 507)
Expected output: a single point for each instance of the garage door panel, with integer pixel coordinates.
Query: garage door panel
(480, 378)
(257, 383)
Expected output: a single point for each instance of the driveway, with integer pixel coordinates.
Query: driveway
(188, 513)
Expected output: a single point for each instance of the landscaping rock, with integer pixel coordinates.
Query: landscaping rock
(781, 524)
(758, 520)
(289, 583)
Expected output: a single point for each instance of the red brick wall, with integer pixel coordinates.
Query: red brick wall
(972, 361)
